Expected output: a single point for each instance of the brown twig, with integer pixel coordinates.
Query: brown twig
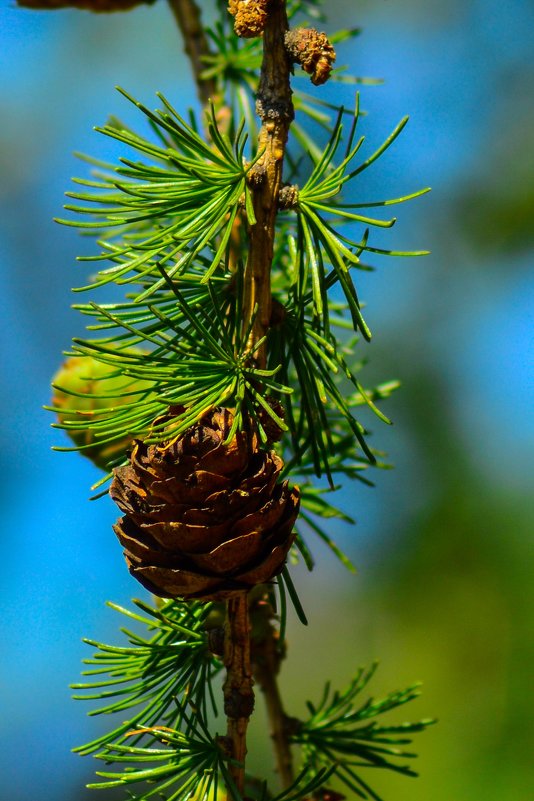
(238, 693)
(275, 110)
(187, 15)
(266, 659)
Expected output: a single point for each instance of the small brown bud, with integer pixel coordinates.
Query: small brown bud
(226, 745)
(239, 704)
(312, 51)
(250, 17)
(257, 174)
(288, 197)
(216, 641)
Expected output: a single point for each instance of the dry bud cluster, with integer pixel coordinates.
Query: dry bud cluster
(250, 17)
(313, 51)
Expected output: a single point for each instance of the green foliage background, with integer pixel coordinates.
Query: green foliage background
(444, 544)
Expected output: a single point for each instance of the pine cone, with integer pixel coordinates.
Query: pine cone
(204, 519)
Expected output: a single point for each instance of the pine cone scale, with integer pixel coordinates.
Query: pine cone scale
(222, 560)
(169, 583)
(140, 549)
(265, 518)
(185, 539)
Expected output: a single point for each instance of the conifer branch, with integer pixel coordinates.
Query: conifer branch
(238, 693)
(225, 344)
(196, 45)
(267, 655)
(275, 110)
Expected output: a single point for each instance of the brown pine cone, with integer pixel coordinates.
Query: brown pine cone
(204, 519)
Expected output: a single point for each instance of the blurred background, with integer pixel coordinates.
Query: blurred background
(444, 543)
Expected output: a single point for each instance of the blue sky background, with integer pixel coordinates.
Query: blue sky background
(462, 318)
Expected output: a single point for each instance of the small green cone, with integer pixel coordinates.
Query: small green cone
(84, 377)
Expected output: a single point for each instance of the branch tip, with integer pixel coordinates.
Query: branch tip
(313, 51)
(250, 17)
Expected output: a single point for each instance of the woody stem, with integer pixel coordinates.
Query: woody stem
(238, 693)
(275, 109)
(266, 665)
(187, 15)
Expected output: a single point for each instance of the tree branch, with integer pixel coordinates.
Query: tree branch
(187, 15)
(266, 659)
(275, 110)
(238, 694)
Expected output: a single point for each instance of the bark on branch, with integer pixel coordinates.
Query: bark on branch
(275, 110)
(266, 660)
(238, 693)
(187, 15)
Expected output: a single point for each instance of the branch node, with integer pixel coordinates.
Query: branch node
(288, 197)
(238, 693)
(271, 109)
(225, 744)
(257, 175)
(238, 704)
(216, 641)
